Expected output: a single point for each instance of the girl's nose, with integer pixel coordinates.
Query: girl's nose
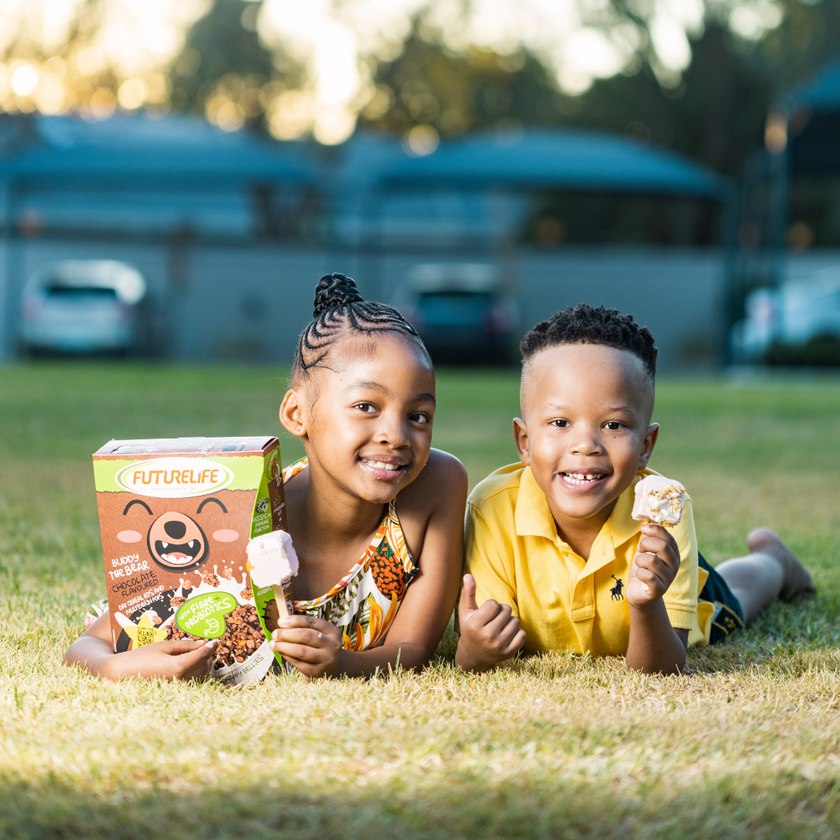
(393, 431)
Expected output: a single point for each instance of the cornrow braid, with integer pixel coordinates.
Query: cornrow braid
(339, 308)
(583, 324)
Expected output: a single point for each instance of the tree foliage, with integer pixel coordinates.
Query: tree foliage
(224, 63)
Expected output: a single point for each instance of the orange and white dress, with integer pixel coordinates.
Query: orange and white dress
(364, 603)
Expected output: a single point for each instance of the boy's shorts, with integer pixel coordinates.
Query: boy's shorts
(728, 616)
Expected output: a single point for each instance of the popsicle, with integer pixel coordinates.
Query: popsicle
(659, 500)
(271, 562)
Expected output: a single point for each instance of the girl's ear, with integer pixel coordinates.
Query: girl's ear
(647, 446)
(520, 437)
(292, 414)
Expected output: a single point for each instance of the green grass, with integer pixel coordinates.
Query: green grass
(746, 744)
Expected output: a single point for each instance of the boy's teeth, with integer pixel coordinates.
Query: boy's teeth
(580, 477)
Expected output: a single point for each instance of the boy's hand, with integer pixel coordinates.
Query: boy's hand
(312, 645)
(654, 567)
(490, 634)
(184, 659)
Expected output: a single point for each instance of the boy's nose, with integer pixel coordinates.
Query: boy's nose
(586, 442)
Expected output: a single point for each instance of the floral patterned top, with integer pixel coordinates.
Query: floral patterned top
(364, 603)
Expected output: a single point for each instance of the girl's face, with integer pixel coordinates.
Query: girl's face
(366, 421)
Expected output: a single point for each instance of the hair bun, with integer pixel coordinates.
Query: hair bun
(334, 290)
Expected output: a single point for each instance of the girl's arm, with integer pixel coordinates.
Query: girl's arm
(172, 660)
(438, 498)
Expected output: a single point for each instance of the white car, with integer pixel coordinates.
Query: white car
(83, 307)
(792, 314)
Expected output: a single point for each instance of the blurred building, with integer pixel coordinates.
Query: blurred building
(220, 225)
(232, 232)
(565, 216)
(787, 272)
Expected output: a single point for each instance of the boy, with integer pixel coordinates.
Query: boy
(552, 554)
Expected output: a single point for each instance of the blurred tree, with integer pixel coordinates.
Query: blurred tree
(225, 72)
(714, 111)
(715, 114)
(451, 93)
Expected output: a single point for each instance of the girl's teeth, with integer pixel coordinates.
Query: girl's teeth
(378, 465)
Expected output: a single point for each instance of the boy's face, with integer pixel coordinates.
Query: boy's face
(585, 429)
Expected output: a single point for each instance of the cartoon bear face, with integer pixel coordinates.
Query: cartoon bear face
(185, 534)
(176, 541)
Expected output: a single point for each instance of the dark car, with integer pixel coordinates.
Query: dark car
(462, 311)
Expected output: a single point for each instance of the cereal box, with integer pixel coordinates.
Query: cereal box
(176, 516)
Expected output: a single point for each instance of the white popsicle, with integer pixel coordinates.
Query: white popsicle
(272, 561)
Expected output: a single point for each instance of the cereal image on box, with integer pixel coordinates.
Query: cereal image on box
(176, 517)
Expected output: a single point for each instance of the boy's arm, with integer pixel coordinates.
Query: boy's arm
(655, 647)
(172, 660)
(489, 633)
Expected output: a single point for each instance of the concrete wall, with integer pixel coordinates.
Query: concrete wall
(248, 303)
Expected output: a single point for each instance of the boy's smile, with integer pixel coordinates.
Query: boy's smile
(584, 432)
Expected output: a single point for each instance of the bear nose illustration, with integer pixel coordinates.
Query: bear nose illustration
(175, 529)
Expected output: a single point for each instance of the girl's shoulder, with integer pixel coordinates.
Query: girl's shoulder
(442, 482)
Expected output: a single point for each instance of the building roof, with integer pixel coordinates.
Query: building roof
(135, 150)
(821, 93)
(571, 159)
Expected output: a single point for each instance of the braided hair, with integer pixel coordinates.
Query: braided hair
(340, 309)
(583, 324)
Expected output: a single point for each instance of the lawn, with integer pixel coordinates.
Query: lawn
(746, 744)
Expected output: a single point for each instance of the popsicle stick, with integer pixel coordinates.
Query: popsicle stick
(280, 597)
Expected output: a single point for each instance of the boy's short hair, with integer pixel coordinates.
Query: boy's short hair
(583, 324)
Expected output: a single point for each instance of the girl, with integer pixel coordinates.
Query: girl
(371, 496)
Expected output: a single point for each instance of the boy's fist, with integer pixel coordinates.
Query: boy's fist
(490, 634)
(654, 567)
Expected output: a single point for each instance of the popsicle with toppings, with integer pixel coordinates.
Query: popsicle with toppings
(272, 561)
(659, 500)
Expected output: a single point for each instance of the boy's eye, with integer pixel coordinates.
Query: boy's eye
(366, 407)
(420, 417)
(560, 424)
(613, 426)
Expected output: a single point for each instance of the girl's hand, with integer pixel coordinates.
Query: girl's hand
(312, 645)
(654, 567)
(185, 659)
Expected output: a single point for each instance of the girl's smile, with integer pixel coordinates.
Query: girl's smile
(367, 429)
(385, 469)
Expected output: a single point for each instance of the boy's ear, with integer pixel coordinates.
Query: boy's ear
(520, 437)
(649, 443)
(292, 414)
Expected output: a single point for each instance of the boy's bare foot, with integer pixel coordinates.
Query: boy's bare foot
(798, 581)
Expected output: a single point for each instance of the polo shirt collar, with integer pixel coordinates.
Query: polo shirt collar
(532, 517)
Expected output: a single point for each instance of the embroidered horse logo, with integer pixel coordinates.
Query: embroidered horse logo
(616, 591)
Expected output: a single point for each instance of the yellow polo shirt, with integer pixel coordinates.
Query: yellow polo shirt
(563, 601)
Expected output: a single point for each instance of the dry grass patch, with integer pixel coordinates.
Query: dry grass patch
(745, 744)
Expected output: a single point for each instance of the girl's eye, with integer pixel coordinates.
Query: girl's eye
(420, 417)
(366, 407)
